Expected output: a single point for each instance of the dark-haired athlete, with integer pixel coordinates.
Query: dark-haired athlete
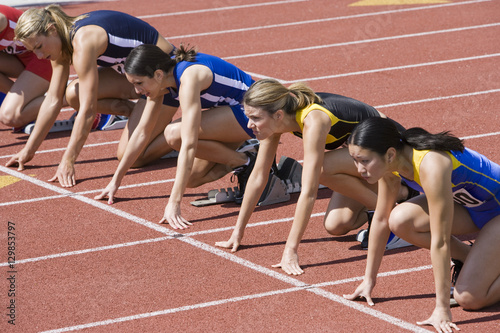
(206, 141)
(461, 196)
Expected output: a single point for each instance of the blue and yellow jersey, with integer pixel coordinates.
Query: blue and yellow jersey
(345, 113)
(475, 181)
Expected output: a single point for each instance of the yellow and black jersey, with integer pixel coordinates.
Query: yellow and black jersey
(344, 112)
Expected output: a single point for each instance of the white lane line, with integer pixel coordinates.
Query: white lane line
(62, 149)
(151, 240)
(219, 9)
(362, 41)
(386, 69)
(95, 249)
(439, 99)
(311, 288)
(339, 18)
(212, 250)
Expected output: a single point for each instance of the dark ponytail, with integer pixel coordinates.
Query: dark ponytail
(379, 134)
(145, 59)
(420, 139)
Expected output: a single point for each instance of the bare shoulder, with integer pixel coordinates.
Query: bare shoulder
(91, 37)
(436, 160)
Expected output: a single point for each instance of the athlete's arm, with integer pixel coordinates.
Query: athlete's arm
(317, 124)
(253, 190)
(388, 188)
(435, 177)
(49, 110)
(88, 43)
(194, 79)
(164, 44)
(136, 145)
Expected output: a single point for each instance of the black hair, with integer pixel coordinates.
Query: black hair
(145, 59)
(379, 134)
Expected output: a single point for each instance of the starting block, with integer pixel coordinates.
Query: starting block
(109, 122)
(216, 197)
(118, 122)
(59, 126)
(281, 183)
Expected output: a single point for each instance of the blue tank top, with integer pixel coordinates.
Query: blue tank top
(124, 33)
(475, 179)
(229, 83)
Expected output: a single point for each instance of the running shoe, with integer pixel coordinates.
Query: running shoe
(20, 129)
(243, 173)
(456, 267)
(249, 145)
(394, 241)
(102, 121)
(172, 154)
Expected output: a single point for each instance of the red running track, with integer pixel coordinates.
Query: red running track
(84, 265)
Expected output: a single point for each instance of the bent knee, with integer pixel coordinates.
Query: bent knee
(469, 300)
(338, 228)
(10, 116)
(72, 95)
(8, 119)
(400, 219)
(172, 136)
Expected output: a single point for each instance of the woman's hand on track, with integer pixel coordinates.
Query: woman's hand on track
(290, 262)
(109, 192)
(364, 290)
(233, 243)
(173, 217)
(20, 159)
(441, 320)
(65, 175)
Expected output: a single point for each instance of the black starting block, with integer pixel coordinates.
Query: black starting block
(281, 184)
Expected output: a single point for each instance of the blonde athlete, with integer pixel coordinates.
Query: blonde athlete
(96, 44)
(323, 121)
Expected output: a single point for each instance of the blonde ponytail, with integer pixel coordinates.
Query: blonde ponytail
(35, 21)
(271, 96)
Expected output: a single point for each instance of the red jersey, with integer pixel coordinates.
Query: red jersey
(7, 43)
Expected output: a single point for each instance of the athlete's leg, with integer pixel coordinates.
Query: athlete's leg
(343, 215)
(206, 172)
(157, 146)
(10, 67)
(478, 284)
(216, 144)
(23, 101)
(113, 97)
(352, 195)
(23, 96)
(410, 221)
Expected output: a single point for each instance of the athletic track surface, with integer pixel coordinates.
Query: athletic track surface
(83, 265)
